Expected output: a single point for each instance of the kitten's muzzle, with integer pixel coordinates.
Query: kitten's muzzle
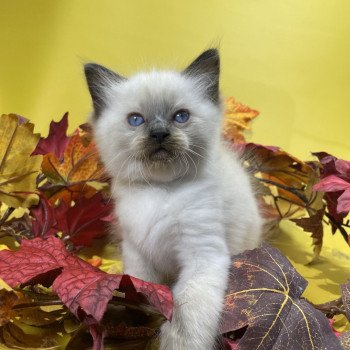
(159, 136)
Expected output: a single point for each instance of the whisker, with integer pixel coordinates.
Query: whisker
(195, 166)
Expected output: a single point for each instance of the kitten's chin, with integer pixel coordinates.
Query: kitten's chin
(160, 155)
(161, 167)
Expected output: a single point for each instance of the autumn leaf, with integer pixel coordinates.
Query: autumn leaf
(86, 220)
(56, 141)
(333, 166)
(80, 163)
(337, 200)
(334, 183)
(72, 177)
(44, 220)
(7, 300)
(84, 289)
(80, 222)
(236, 120)
(230, 344)
(36, 258)
(345, 291)
(314, 225)
(274, 163)
(95, 261)
(264, 295)
(33, 328)
(142, 291)
(289, 180)
(18, 171)
(20, 314)
(17, 336)
(345, 340)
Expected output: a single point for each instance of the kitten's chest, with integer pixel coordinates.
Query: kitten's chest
(149, 218)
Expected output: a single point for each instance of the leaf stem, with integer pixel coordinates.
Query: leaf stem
(38, 304)
(115, 301)
(338, 225)
(6, 215)
(143, 307)
(330, 308)
(287, 188)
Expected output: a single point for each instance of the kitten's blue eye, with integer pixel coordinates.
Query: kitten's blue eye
(135, 119)
(182, 116)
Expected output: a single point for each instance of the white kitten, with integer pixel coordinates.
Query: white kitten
(183, 201)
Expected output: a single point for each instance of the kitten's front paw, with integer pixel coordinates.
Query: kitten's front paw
(172, 338)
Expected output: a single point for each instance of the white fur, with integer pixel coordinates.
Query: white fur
(179, 222)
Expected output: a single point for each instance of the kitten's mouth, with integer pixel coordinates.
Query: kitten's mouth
(160, 154)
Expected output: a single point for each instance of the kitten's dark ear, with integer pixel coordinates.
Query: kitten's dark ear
(207, 66)
(99, 80)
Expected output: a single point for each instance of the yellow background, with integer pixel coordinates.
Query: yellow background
(288, 59)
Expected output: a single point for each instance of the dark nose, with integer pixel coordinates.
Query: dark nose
(159, 136)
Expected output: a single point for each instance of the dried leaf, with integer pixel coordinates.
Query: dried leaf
(17, 336)
(339, 168)
(230, 344)
(345, 292)
(345, 340)
(81, 165)
(288, 179)
(333, 183)
(333, 166)
(314, 225)
(95, 261)
(84, 289)
(141, 291)
(18, 171)
(7, 300)
(237, 119)
(38, 257)
(44, 219)
(56, 141)
(87, 219)
(277, 164)
(19, 317)
(264, 294)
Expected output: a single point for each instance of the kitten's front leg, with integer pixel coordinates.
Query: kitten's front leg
(136, 265)
(198, 297)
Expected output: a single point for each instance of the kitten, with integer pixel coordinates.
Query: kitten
(183, 201)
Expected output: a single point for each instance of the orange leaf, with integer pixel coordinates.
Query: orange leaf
(237, 117)
(81, 164)
(289, 179)
(95, 261)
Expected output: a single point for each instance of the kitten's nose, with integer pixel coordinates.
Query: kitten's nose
(159, 136)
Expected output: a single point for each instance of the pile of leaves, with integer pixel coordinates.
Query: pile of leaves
(54, 201)
(308, 193)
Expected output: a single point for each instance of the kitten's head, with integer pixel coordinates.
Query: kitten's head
(158, 125)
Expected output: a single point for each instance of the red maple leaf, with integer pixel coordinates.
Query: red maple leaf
(230, 344)
(82, 222)
(84, 289)
(57, 139)
(44, 221)
(333, 166)
(333, 183)
(142, 291)
(263, 302)
(340, 168)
